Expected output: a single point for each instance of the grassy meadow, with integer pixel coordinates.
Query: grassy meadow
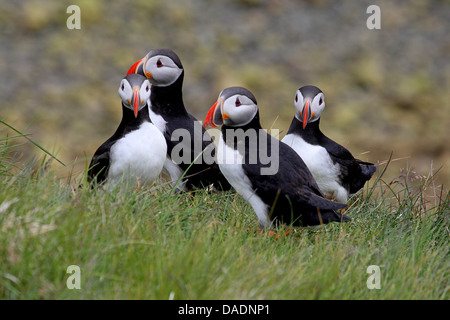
(147, 243)
(386, 90)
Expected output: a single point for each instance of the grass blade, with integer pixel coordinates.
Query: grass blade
(32, 141)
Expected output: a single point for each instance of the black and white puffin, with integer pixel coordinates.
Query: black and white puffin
(289, 193)
(136, 152)
(164, 70)
(335, 170)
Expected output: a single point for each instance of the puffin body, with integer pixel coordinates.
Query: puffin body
(137, 150)
(164, 70)
(287, 194)
(335, 170)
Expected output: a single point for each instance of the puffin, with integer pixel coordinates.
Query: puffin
(185, 154)
(334, 168)
(281, 190)
(136, 152)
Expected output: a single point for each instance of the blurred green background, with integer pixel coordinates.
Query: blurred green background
(385, 90)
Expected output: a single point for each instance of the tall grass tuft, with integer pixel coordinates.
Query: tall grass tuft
(147, 243)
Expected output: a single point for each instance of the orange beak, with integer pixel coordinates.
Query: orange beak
(135, 101)
(214, 116)
(137, 67)
(305, 114)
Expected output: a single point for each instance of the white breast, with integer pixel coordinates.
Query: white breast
(139, 156)
(318, 161)
(157, 120)
(170, 168)
(230, 164)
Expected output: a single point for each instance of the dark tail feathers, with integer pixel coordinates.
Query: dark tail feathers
(367, 168)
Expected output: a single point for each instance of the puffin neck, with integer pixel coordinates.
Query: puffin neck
(130, 122)
(168, 100)
(310, 134)
(254, 124)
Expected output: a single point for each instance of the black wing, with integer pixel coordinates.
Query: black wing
(200, 174)
(98, 168)
(354, 173)
(292, 191)
(367, 171)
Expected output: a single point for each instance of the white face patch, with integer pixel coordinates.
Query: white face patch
(240, 110)
(162, 70)
(317, 105)
(298, 103)
(126, 93)
(145, 91)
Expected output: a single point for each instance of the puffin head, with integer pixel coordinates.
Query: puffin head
(309, 103)
(235, 107)
(134, 90)
(161, 66)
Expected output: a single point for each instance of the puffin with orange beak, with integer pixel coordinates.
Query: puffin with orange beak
(281, 190)
(165, 72)
(334, 168)
(136, 152)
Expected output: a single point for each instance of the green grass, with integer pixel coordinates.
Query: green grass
(149, 244)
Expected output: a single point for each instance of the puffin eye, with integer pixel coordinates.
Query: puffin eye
(296, 98)
(320, 101)
(238, 102)
(147, 88)
(159, 64)
(122, 87)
